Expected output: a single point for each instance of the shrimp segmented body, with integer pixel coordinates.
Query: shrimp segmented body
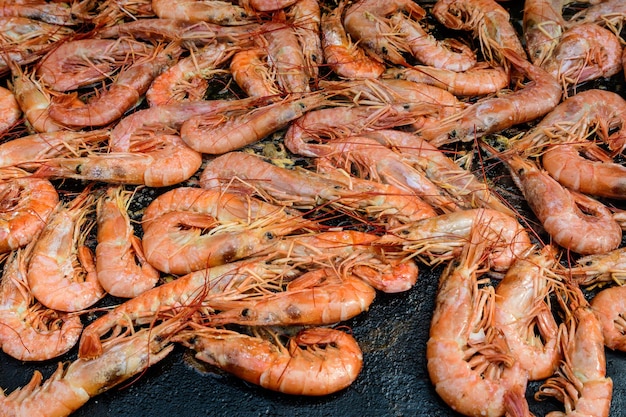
(317, 361)
(121, 266)
(9, 110)
(213, 11)
(543, 26)
(26, 205)
(61, 271)
(286, 57)
(610, 308)
(306, 17)
(604, 267)
(251, 72)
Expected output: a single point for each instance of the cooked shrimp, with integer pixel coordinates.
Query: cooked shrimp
(252, 73)
(317, 361)
(10, 111)
(123, 94)
(318, 297)
(489, 22)
(344, 57)
(121, 266)
(223, 132)
(449, 54)
(494, 114)
(574, 221)
(214, 228)
(442, 237)
(366, 21)
(476, 81)
(543, 26)
(305, 15)
(28, 330)
(158, 160)
(61, 271)
(609, 13)
(56, 13)
(187, 79)
(468, 362)
(521, 306)
(270, 5)
(81, 62)
(610, 308)
(603, 267)
(26, 204)
(71, 386)
(213, 11)
(580, 383)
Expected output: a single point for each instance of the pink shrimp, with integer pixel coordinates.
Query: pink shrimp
(543, 26)
(317, 361)
(610, 308)
(252, 73)
(61, 271)
(26, 205)
(213, 11)
(55, 13)
(270, 5)
(9, 110)
(305, 15)
(600, 268)
(121, 266)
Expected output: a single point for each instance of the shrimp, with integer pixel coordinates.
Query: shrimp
(252, 73)
(28, 330)
(344, 57)
(270, 5)
(121, 266)
(317, 361)
(9, 110)
(574, 221)
(580, 383)
(600, 268)
(123, 94)
(142, 164)
(479, 80)
(26, 204)
(187, 78)
(608, 305)
(585, 52)
(212, 229)
(449, 54)
(469, 363)
(61, 271)
(223, 132)
(441, 238)
(543, 26)
(608, 13)
(213, 11)
(318, 297)
(80, 62)
(489, 22)
(305, 15)
(50, 12)
(490, 115)
(521, 306)
(71, 386)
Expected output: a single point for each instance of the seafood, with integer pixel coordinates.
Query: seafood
(227, 131)
(26, 204)
(608, 305)
(317, 361)
(305, 15)
(443, 237)
(121, 266)
(470, 365)
(604, 267)
(573, 220)
(123, 94)
(213, 11)
(56, 13)
(71, 386)
(580, 383)
(252, 73)
(270, 5)
(28, 330)
(9, 109)
(366, 21)
(344, 57)
(609, 13)
(521, 307)
(543, 26)
(61, 272)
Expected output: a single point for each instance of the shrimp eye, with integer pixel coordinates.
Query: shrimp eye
(384, 50)
(520, 171)
(404, 232)
(314, 58)
(588, 263)
(79, 169)
(245, 312)
(406, 106)
(269, 235)
(302, 106)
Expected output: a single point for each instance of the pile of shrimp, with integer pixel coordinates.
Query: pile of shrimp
(298, 158)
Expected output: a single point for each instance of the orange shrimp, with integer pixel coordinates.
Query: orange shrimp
(610, 307)
(317, 361)
(489, 22)
(213, 11)
(81, 62)
(367, 22)
(142, 164)
(580, 383)
(61, 271)
(223, 132)
(574, 221)
(442, 237)
(252, 73)
(124, 93)
(210, 227)
(28, 330)
(600, 268)
(56, 13)
(468, 362)
(345, 58)
(9, 109)
(26, 204)
(305, 15)
(317, 297)
(187, 79)
(494, 114)
(270, 5)
(479, 80)
(543, 26)
(521, 306)
(121, 266)
(71, 386)
(609, 13)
